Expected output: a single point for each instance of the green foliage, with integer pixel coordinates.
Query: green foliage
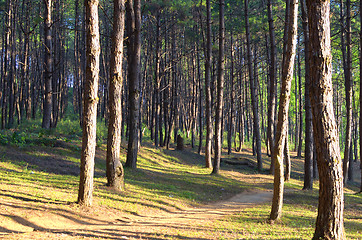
(69, 128)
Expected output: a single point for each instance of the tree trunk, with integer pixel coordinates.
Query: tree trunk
(200, 103)
(231, 89)
(115, 173)
(254, 98)
(282, 126)
(300, 113)
(133, 56)
(288, 163)
(308, 151)
(85, 194)
(157, 80)
(272, 84)
(348, 88)
(329, 224)
(208, 137)
(48, 65)
(6, 67)
(220, 91)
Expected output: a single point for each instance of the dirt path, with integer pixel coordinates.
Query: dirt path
(54, 223)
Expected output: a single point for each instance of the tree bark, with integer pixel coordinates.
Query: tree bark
(208, 137)
(329, 224)
(282, 126)
(231, 89)
(220, 91)
(348, 88)
(85, 194)
(157, 79)
(272, 84)
(115, 173)
(308, 151)
(254, 98)
(133, 56)
(48, 62)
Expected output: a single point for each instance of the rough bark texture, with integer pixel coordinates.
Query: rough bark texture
(115, 174)
(47, 113)
(90, 104)
(208, 137)
(282, 126)
(254, 98)
(308, 151)
(219, 91)
(133, 56)
(329, 224)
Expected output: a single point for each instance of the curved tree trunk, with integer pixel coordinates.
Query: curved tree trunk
(115, 173)
(329, 224)
(85, 194)
(282, 126)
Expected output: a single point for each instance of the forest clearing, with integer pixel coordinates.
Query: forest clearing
(170, 196)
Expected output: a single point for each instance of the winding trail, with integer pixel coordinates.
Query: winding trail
(199, 221)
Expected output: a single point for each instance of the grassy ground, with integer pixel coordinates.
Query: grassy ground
(39, 183)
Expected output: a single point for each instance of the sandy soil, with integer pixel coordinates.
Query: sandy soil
(21, 220)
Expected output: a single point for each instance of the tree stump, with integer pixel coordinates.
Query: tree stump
(180, 143)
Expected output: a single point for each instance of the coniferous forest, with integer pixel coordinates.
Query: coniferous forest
(274, 83)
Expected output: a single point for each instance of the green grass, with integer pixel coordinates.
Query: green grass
(165, 180)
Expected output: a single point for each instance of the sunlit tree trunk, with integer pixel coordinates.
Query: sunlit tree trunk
(114, 170)
(329, 224)
(85, 194)
(48, 65)
(282, 126)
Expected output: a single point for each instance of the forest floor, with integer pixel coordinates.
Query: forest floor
(171, 197)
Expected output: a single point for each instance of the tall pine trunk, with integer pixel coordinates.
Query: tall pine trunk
(133, 56)
(329, 224)
(272, 83)
(48, 62)
(346, 53)
(282, 126)
(219, 91)
(308, 150)
(208, 137)
(115, 174)
(254, 97)
(85, 193)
